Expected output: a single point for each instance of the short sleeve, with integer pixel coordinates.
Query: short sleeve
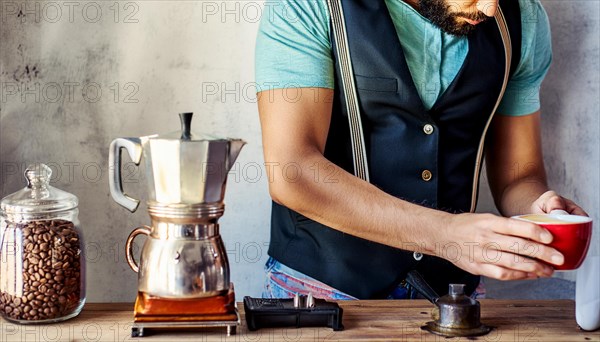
(293, 48)
(522, 94)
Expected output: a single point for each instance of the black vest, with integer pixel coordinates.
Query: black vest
(399, 150)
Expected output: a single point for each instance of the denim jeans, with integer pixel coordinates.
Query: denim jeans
(285, 282)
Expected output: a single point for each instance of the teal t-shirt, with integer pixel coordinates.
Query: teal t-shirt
(293, 50)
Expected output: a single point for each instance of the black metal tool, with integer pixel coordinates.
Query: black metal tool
(301, 311)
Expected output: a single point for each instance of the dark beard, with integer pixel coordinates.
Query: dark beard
(440, 14)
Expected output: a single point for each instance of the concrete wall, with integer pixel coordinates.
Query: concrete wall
(75, 75)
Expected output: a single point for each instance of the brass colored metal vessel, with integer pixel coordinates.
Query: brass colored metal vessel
(457, 315)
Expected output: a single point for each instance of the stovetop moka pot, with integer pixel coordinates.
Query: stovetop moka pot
(181, 167)
(456, 314)
(183, 256)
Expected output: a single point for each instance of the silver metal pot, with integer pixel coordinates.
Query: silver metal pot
(456, 315)
(183, 256)
(181, 167)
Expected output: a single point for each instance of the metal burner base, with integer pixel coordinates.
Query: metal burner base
(140, 329)
(435, 328)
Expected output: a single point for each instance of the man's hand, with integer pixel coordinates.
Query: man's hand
(498, 247)
(517, 179)
(550, 200)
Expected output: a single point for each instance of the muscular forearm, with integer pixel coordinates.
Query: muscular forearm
(516, 168)
(328, 194)
(515, 165)
(519, 196)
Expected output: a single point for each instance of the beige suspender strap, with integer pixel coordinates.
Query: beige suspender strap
(501, 21)
(359, 154)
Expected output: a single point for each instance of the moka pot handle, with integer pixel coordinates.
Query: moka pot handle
(134, 148)
(129, 245)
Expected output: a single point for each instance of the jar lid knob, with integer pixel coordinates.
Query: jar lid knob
(38, 175)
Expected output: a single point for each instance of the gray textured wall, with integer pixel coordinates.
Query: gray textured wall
(74, 75)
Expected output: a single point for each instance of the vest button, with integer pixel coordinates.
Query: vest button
(426, 175)
(417, 256)
(428, 129)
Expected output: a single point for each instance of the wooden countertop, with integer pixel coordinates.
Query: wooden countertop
(386, 320)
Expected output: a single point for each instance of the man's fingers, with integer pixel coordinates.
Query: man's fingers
(518, 262)
(578, 211)
(523, 229)
(501, 273)
(522, 248)
(574, 209)
(553, 202)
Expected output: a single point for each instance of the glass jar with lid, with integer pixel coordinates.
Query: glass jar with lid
(42, 273)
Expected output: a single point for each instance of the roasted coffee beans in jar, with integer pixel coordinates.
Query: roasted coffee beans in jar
(43, 267)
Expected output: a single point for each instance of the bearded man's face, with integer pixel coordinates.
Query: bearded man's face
(457, 17)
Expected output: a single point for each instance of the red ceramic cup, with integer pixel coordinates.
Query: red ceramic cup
(572, 235)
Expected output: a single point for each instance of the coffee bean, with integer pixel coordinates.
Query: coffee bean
(51, 271)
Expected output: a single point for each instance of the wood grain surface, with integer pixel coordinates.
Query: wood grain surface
(386, 320)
